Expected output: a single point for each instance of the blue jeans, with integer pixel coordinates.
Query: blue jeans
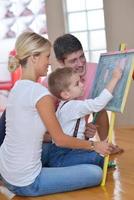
(62, 157)
(59, 179)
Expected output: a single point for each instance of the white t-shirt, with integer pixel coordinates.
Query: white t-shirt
(68, 113)
(20, 153)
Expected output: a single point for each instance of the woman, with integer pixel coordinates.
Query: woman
(30, 112)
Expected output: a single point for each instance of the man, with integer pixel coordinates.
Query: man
(69, 53)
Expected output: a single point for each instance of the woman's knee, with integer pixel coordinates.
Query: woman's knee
(94, 174)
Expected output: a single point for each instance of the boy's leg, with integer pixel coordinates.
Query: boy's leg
(61, 179)
(46, 148)
(62, 157)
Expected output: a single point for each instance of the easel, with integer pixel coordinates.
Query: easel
(110, 132)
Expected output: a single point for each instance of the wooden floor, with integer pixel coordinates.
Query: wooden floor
(120, 182)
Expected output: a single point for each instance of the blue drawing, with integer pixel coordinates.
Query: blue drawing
(106, 65)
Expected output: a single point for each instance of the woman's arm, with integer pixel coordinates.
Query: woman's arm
(46, 109)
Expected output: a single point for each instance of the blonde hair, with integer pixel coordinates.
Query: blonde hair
(27, 44)
(59, 80)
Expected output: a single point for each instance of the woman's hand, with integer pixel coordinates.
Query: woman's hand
(103, 147)
(90, 130)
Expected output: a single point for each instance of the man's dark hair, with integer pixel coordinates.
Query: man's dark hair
(66, 44)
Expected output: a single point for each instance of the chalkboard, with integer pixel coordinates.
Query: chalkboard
(107, 63)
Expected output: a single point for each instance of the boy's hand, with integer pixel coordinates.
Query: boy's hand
(116, 76)
(117, 73)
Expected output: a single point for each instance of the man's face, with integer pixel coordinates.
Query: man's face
(77, 61)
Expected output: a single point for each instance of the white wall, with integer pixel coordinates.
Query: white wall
(55, 23)
(119, 17)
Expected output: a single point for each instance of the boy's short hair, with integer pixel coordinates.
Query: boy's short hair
(66, 44)
(59, 80)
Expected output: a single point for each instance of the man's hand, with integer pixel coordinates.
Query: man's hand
(90, 130)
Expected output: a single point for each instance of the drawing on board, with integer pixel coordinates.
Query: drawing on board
(107, 63)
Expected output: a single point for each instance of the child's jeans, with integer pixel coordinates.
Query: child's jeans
(62, 157)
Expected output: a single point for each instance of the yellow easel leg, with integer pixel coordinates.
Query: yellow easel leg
(122, 47)
(110, 137)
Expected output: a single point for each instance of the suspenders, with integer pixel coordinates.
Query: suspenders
(76, 128)
(77, 123)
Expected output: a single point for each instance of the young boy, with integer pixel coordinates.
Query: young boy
(66, 85)
(69, 53)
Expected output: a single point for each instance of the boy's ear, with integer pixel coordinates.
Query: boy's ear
(65, 95)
